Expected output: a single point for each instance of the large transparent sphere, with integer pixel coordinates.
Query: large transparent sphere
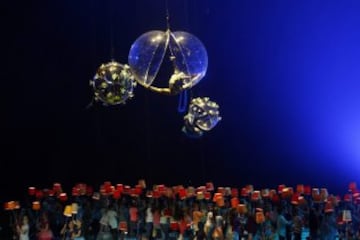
(146, 56)
(190, 56)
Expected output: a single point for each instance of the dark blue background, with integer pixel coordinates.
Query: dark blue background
(285, 74)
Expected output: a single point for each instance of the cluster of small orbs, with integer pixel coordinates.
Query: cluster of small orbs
(202, 116)
(113, 83)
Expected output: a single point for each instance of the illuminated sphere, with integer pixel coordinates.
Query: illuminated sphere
(113, 83)
(203, 115)
(188, 54)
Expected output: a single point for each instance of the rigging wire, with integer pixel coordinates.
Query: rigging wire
(111, 25)
(167, 15)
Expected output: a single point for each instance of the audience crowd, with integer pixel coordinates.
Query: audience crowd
(184, 212)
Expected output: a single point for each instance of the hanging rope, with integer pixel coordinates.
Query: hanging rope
(183, 101)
